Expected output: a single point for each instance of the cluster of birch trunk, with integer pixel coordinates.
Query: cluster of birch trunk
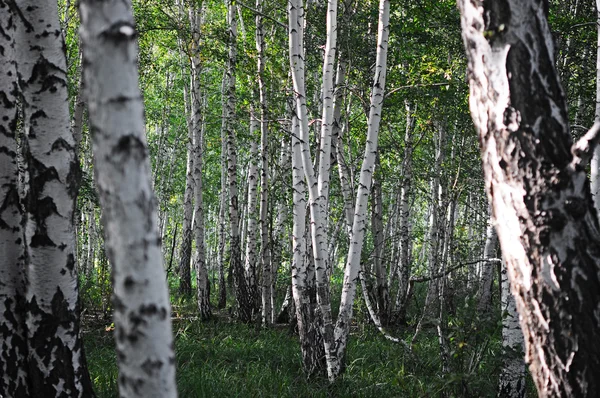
(292, 183)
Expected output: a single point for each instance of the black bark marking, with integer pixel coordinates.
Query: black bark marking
(151, 367)
(129, 283)
(129, 147)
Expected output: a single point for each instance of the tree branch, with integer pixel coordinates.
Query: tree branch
(457, 266)
(254, 10)
(583, 149)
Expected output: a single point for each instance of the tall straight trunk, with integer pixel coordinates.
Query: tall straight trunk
(185, 250)
(13, 336)
(512, 374)
(242, 294)
(312, 351)
(489, 265)
(342, 327)
(404, 268)
(538, 191)
(56, 360)
(382, 295)
(267, 292)
(316, 205)
(198, 125)
(142, 313)
(221, 257)
(595, 164)
(251, 209)
(435, 234)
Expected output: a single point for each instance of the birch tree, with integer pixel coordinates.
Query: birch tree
(142, 315)
(196, 17)
(242, 294)
(56, 360)
(13, 334)
(512, 374)
(538, 190)
(265, 249)
(335, 338)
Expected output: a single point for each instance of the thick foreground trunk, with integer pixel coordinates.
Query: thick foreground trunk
(538, 190)
(142, 313)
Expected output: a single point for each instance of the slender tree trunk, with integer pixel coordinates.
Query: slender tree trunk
(185, 250)
(265, 249)
(142, 314)
(13, 335)
(487, 279)
(242, 294)
(404, 268)
(56, 360)
(381, 287)
(352, 268)
(538, 191)
(318, 233)
(512, 374)
(312, 351)
(251, 209)
(198, 125)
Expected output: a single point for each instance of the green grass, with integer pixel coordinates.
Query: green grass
(222, 359)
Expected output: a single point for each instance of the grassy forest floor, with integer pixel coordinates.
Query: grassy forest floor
(221, 358)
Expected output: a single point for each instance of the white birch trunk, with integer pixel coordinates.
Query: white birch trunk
(56, 360)
(352, 268)
(512, 374)
(198, 125)
(302, 277)
(142, 313)
(404, 268)
(223, 206)
(318, 233)
(13, 335)
(251, 210)
(267, 291)
(185, 250)
(242, 296)
(487, 278)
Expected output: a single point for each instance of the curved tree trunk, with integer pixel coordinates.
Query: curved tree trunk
(142, 315)
(538, 191)
(56, 358)
(13, 335)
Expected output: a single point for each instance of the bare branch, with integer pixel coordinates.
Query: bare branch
(583, 149)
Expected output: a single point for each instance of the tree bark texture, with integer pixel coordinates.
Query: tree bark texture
(342, 327)
(538, 191)
(242, 294)
(142, 314)
(56, 360)
(198, 126)
(13, 335)
(185, 251)
(512, 374)
(268, 310)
